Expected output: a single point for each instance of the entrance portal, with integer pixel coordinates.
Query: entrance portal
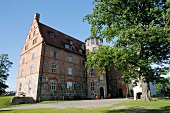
(101, 92)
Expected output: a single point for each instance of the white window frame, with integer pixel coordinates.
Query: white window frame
(92, 86)
(35, 41)
(70, 58)
(70, 71)
(69, 86)
(22, 72)
(33, 55)
(54, 68)
(31, 69)
(91, 72)
(52, 85)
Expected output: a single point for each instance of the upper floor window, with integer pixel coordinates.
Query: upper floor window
(92, 72)
(69, 86)
(101, 77)
(70, 58)
(92, 41)
(51, 34)
(52, 85)
(84, 73)
(92, 86)
(97, 41)
(68, 47)
(22, 72)
(29, 36)
(83, 86)
(31, 69)
(53, 68)
(54, 54)
(35, 41)
(34, 33)
(83, 62)
(69, 71)
(23, 61)
(33, 55)
(26, 47)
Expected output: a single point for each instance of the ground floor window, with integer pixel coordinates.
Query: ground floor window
(69, 86)
(52, 85)
(92, 86)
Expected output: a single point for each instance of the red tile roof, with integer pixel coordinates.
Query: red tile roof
(60, 39)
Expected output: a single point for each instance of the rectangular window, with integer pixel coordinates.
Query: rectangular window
(84, 73)
(101, 77)
(92, 41)
(69, 71)
(35, 41)
(54, 54)
(92, 86)
(31, 69)
(69, 86)
(26, 47)
(23, 61)
(22, 72)
(70, 58)
(29, 36)
(52, 85)
(34, 33)
(92, 72)
(33, 55)
(68, 47)
(71, 42)
(84, 86)
(94, 48)
(53, 68)
(97, 41)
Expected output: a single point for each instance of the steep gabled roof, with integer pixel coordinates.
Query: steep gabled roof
(60, 39)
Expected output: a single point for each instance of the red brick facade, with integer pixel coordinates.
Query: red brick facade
(52, 67)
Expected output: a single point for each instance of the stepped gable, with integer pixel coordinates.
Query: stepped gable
(59, 39)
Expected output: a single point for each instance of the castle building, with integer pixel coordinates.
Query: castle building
(52, 66)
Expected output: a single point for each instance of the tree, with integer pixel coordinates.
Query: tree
(5, 64)
(142, 33)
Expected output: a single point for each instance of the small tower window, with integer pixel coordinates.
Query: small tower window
(34, 33)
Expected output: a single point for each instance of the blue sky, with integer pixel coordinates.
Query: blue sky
(16, 18)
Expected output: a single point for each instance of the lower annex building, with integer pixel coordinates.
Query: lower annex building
(52, 66)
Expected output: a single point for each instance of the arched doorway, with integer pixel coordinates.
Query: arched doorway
(120, 93)
(101, 92)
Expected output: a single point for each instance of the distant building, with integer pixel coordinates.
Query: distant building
(52, 66)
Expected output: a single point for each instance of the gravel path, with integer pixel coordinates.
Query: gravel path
(88, 104)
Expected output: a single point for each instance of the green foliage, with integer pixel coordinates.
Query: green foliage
(5, 64)
(143, 37)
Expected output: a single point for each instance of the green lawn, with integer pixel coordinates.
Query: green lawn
(161, 105)
(5, 101)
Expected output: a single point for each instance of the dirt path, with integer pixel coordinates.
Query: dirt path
(88, 104)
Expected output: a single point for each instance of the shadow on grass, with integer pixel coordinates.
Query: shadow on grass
(140, 110)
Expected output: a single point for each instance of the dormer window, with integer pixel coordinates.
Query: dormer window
(68, 47)
(52, 34)
(80, 51)
(71, 42)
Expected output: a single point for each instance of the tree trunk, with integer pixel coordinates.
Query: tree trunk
(146, 94)
(127, 91)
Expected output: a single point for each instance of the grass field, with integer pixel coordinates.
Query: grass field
(160, 105)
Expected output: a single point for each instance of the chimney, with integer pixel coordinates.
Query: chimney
(36, 17)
